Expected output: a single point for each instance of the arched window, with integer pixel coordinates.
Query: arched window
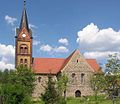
(73, 80)
(23, 49)
(21, 61)
(39, 79)
(82, 78)
(25, 61)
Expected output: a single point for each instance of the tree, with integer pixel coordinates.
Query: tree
(18, 87)
(25, 77)
(98, 84)
(51, 95)
(62, 84)
(0, 87)
(113, 75)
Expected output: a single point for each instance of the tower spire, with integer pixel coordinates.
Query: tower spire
(24, 20)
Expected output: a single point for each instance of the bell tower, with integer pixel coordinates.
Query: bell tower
(23, 39)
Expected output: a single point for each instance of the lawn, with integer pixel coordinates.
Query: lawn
(89, 100)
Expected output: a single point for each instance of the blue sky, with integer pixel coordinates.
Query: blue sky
(61, 26)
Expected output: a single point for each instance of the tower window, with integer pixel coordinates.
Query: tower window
(21, 61)
(23, 49)
(25, 61)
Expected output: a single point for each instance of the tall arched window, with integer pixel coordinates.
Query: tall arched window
(73, 80)
(82, 78)
(25, 61)
(21, 49)
(25, 50)
(21, 61)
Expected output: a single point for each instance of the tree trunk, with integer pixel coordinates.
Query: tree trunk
(65, 95)
(114, 102)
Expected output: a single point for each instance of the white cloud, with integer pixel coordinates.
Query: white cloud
(46, 48)
(32, 26)
(61, 49)
(91, 38)
(98, 43)
(50, 49)
(10, 20)
(4, 66)
(99, 55)
(63, 41)
(7, 50)
(7, 54)
(36, 42)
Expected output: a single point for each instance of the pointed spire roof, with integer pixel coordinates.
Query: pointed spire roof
(24, 20)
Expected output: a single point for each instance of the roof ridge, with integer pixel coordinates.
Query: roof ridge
(69, 57)
(47, 58)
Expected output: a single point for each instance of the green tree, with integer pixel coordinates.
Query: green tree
(0, 87)
(25, 77)
(51, 95)
(62, 84)
(18, 87)
(113, 76)
(98, 84)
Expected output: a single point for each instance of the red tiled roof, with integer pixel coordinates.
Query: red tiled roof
(54, 65)
(47, 65)
(93, 63)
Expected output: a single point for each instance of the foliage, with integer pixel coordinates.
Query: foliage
(55, 90)
(113, 64)
(109, 81)
(62, 85)
(97, 84)
(17, 86)
(113, 76)
(26, 78)
(89, 100)
(51, 95)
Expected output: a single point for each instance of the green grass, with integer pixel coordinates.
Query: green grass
(89, 100)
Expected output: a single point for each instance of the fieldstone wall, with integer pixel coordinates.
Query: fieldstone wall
(79, 73)
(41, 81)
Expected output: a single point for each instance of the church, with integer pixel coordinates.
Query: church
(75, 66)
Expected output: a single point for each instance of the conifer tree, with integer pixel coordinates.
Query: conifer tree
(51, 95)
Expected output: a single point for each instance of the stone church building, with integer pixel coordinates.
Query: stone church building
(75, 66)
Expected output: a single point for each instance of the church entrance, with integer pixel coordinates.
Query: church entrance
(78, 93)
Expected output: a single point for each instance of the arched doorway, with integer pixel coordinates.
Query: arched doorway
(78, 93)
